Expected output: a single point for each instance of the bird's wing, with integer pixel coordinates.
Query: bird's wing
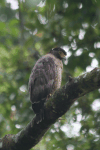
(42, 79)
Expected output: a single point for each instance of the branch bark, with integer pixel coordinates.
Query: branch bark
(57, 105)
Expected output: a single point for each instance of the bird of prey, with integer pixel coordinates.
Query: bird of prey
(45, 78)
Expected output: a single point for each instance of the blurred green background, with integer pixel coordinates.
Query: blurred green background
(28, 30)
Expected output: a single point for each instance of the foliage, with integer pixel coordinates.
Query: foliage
(31, 31)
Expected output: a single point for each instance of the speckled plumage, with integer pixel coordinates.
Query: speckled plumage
(45, 78)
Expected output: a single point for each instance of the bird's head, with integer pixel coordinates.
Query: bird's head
(58, 52)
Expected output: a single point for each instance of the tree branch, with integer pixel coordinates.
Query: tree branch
(57, 105)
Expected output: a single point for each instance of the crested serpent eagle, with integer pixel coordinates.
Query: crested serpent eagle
(45, 78)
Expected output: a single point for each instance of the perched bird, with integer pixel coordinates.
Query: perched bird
(45, 78)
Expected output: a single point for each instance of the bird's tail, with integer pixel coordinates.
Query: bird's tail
(40, 116)
(38, 109)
